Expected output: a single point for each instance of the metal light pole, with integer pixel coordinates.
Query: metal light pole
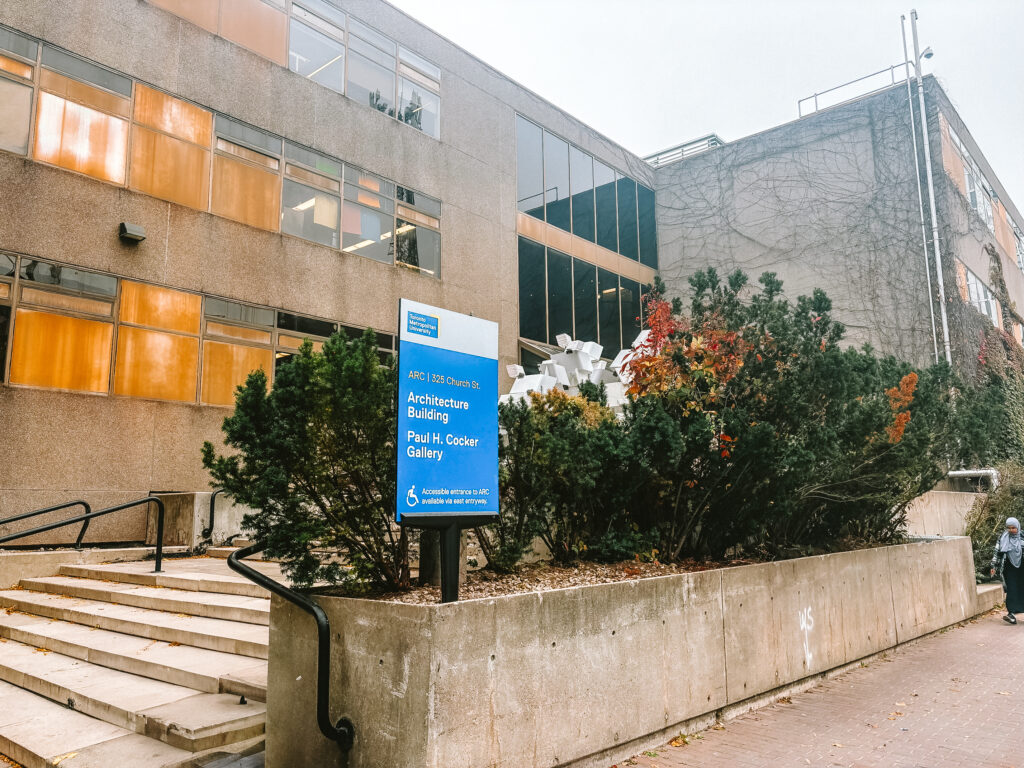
(931, 189)
(920, 195)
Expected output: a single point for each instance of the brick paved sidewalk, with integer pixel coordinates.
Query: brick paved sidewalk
(943, 701)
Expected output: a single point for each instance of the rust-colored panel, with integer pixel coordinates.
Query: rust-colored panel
(294, 342)
(961, 281)
(84, 94)
(313, 179)
(163, 366)
(66, 301)
(420, 218)
(246, 194)
(157, 307)
(203, 13)
(527, 226)
(256, 26)
(248, 154)
(237, 332)
(15, 67)
(170, 168)
(226, 366)
(5, 291)
(61, 352)
(80, 139)
(179, 118)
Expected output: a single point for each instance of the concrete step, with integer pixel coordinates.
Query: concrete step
(214, 634)
(213, 605)
(179, 716)
(38, 733)
(201, 669)
(135, 573)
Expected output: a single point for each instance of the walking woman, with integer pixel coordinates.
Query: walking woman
(1007, 562)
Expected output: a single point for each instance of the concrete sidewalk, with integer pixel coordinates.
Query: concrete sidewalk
(955, 698)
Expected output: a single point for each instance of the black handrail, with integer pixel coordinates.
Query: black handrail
(90, 515)
(342, 732)
(208, 531)
(65, 505)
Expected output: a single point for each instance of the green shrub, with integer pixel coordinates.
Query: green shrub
(987, 518)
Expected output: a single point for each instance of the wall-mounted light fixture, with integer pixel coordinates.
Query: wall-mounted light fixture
(131, 233)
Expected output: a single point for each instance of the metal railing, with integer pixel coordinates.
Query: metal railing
(84, 519)
(341, 732)
(817, 98)
(678, 152)
(208, 531)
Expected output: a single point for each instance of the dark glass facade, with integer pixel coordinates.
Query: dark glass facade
(532, 291)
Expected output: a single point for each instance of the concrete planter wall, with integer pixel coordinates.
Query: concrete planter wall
(584, 676)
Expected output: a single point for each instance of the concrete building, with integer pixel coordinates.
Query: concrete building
(295, 166)
(831, 201)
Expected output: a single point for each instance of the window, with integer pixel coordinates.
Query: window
(419, 104)
(17, 57)
(417, 241)
(80, 119)
(371, 68)
(630, 302)
(626, 191)
(311, 212)
(559, 294)
(982, 299)
(608, 310)
(532, 291)
(646, 217)
(238, 340)
(581, 175)
(171, 149)
(530, 168)
(368, 217)
(246, 184)
(1018, 241)
(7, 268)
(317, 48)
(604, 196)
(530, 361)
(556, 182)
(584, 278)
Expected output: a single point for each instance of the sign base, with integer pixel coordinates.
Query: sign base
(450, 528)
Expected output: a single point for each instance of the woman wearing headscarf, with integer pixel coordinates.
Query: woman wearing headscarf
(1007, 562)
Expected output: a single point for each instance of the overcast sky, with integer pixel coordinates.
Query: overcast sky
(650, 74)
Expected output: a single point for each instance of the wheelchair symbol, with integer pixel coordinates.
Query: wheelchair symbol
(410, 497)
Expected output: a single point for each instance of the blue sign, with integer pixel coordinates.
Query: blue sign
(447, 414)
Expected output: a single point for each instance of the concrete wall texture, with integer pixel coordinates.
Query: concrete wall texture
(589, 675)
(940, 513)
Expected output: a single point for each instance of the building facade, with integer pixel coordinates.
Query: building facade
(296, 166)
(831, 201)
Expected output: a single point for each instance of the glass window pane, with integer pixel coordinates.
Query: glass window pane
(158, 307)
(529, 168)
(245, 193)
(16, 107)
(237, 332)
(556, 182)
(369, 199)
(626, 188)
(308, 157)
(420, 108)
(369, 83)
(174, 116)
(369, 181)
(17, 44)
(163, 366)
(604, 195)
(68, 277)
(75, 303)
(169, 168)
(367, 232)
(325, 11)
(418, 247)
(648, 229)
(316, 56)
(357, 27)
(608, 307)
(310, 213)
(584, 279)
(243, 313)
(419, 201)
(226, 366)
(581, 166)
(630, 311)
(6, 265)
(559, 294)
(419, 62)
(530, 361)
(80, 139)
(245, 134)
(532, 291)
(5, 324)
(86, 71)
(307, 325)
(61, 352)
(257, 26)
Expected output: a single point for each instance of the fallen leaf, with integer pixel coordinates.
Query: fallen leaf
(837, 744)
(62, 758)
(1003, 693)
(901, 703)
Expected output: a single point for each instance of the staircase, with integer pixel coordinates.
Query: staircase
(114, 665)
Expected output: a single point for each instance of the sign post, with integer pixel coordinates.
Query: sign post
(447, 438)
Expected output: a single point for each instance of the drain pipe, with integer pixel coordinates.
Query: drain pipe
(991, 474)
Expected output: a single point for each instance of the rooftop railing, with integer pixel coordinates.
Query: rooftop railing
(853, 89)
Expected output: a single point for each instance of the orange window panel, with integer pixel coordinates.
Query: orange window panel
(247, 154)
(66, 301)
(246, 194)
(80, 139)
(5, 291)
(237, 332)
(15, 67)
(166, 113)
(157, 307)
(61, 352)
(76, 90)
(256, 26)
(170, 168)
(159, 365)
(203, 13)
(419, 218)
(226, 366)
(294, 342)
